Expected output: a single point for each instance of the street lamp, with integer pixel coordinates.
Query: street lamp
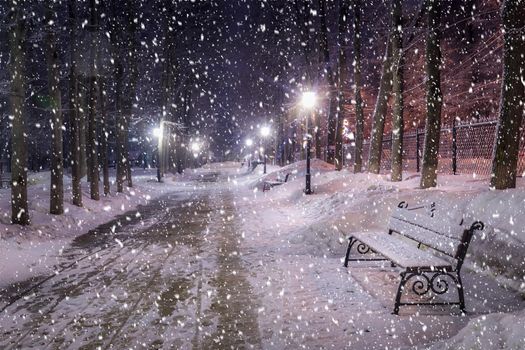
(308, 101)
(195, 148)
(157, 132)
(265, 132)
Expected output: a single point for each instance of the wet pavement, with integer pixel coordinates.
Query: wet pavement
(168, 276)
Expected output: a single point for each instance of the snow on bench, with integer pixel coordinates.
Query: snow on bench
(406, 227)
(267, 185)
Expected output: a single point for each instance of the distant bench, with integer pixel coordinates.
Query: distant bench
(254, 163)
(5, 183)
(429, 272)
(267, 185)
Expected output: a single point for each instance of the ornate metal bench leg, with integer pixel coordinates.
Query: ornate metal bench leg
(351, 242)
(461, 295)
(400, 289)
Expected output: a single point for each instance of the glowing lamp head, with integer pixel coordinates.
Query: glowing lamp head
(157, 132)
(308, 99)
(195, 147)
(249, 142)
(265, 131)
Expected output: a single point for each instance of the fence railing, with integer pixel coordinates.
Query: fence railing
(464, 148)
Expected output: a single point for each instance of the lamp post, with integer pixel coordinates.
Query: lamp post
(249, 144)
(308, 101)
(265, 132)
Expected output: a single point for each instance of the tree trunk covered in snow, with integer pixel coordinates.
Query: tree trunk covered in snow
(104, 161)
(342, 82)
(56, 201)
(19, 209)
(332, 89)
(397, 90)
(92, 122)
(434, 97)
(73, 107)
(359, 115)
(385, 87)
(506, 149)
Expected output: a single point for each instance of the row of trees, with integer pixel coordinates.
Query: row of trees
(100, 59)
(86, 101)
(391, 89)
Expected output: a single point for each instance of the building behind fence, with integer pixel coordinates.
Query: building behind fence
(464, 148)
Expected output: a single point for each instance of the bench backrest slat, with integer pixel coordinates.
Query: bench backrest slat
(438, 233)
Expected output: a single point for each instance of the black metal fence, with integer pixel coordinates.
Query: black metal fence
(463, 149)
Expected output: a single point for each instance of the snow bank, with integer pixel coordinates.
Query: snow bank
(488, 332)
(32, 250)
(286, 222)
(344, 202)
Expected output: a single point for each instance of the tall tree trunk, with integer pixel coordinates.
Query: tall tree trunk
(469, 48)
(121, 159)
(19, 207)
(104, 136)
(303, 19)
(342, 82)
(327, 70)
(82, 122)
(385, 87)
(304, 9)
(397, 90)
(133, 76)
(434, 97)
(76, 173)
(92, 122)
(359, 115)
(506, 149)
(86, 127)
(166, 85)
(56, 201)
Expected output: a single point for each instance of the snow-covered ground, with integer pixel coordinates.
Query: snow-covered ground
(281, 253)
(297, 238)
(29, 251)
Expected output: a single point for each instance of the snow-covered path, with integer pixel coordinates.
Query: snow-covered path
(178, 283)
(210, 267)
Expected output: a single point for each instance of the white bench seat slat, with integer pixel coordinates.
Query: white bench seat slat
(400, 252)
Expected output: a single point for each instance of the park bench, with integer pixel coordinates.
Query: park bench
(429, 250)
(254, 164)
(267, 185)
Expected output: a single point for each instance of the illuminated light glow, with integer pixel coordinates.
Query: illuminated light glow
(195, 147)
(157, 132)
(308, 99)
(265, 131)
(249, 142)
